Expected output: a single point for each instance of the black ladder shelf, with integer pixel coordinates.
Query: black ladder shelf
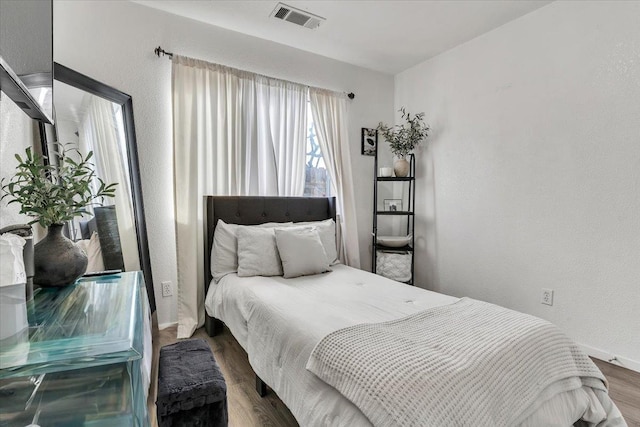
(409, 197)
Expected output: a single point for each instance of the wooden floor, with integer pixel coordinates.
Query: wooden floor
(624, 389)
(247, 409)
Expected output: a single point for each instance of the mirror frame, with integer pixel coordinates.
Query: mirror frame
(94, 87)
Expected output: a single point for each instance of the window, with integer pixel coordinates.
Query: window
(316, 180)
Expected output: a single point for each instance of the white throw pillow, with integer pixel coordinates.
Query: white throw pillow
(94, 253)
(257, 252)
(327, 232)
(224, 251)
(301, 251)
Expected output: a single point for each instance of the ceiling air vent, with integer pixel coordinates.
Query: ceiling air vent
(296, 16)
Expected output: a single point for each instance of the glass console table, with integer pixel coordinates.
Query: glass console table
(85, 359)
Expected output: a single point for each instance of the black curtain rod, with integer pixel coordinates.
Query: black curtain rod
(160, 51)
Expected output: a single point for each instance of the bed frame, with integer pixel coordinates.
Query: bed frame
(253, 210)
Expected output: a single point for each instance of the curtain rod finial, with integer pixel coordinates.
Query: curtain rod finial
(351, 95)
(159, 50)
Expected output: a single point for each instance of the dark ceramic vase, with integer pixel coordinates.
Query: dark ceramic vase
(58, 261)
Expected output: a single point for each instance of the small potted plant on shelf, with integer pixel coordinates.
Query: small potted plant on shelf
(53, 195)
(404, 138)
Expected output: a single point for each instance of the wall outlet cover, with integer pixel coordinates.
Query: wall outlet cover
(167, 290)
(547, 296)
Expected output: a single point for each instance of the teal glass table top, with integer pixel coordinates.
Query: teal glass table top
(91, 323)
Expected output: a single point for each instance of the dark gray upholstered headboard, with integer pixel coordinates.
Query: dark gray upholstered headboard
(253, 210)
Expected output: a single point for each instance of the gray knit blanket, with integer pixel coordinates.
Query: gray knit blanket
(469, 363)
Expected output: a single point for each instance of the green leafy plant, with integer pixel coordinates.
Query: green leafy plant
(55, 194)
(404, 138)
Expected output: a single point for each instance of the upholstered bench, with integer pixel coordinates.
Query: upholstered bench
(191, 388)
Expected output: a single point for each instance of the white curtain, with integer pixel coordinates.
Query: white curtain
(282, 120)
(235, 133)
(329, 110)
(102, 131)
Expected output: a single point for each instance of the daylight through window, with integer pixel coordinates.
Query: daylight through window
(316, 181)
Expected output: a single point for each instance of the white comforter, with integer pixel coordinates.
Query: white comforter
(279, 322)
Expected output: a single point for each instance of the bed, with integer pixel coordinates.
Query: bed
(284, 323)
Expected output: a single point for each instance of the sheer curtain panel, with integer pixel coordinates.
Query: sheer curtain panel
(102, 132)
(329, 110)
(235, 133)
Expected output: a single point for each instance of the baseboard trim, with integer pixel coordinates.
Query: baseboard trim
(624, 362)
(166, 325)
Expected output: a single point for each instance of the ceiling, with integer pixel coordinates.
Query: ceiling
(386, 36)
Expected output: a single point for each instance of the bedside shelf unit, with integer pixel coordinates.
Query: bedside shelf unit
(395, 179)
(394, 213)
(407, 195)
(405, 248)
(85, 358)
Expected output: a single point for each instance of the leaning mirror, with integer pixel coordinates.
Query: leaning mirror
(93, 117)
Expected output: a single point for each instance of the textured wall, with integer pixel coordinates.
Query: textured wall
(113, 42)
(25, 36)
(17, 132)
(532, 178)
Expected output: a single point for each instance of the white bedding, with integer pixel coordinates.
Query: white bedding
(259, 313)
(279, 321)
(462, 364)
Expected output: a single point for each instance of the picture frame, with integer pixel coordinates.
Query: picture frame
(369, 142)
(392, 205)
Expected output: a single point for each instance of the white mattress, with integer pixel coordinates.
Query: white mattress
(279, 321)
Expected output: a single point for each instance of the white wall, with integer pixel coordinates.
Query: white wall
(17, 132)
(532, 176)
(113, 42)
(25, 36)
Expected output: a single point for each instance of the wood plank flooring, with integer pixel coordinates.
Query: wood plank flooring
(247, 409)
(624, 389)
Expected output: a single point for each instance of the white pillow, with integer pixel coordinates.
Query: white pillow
(224, 251)
(258, 253)
(301, 251)
(327, 232)
(94, 253)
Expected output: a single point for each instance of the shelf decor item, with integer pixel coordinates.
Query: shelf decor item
(393, 205)
(401, 167)
(53, 195)
(386, 172)
(394, 241)
(404, 138)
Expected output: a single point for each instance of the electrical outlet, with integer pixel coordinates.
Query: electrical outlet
(167, 290)
(547, 296)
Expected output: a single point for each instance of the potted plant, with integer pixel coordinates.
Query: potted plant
(404, 138)
(53, 195)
